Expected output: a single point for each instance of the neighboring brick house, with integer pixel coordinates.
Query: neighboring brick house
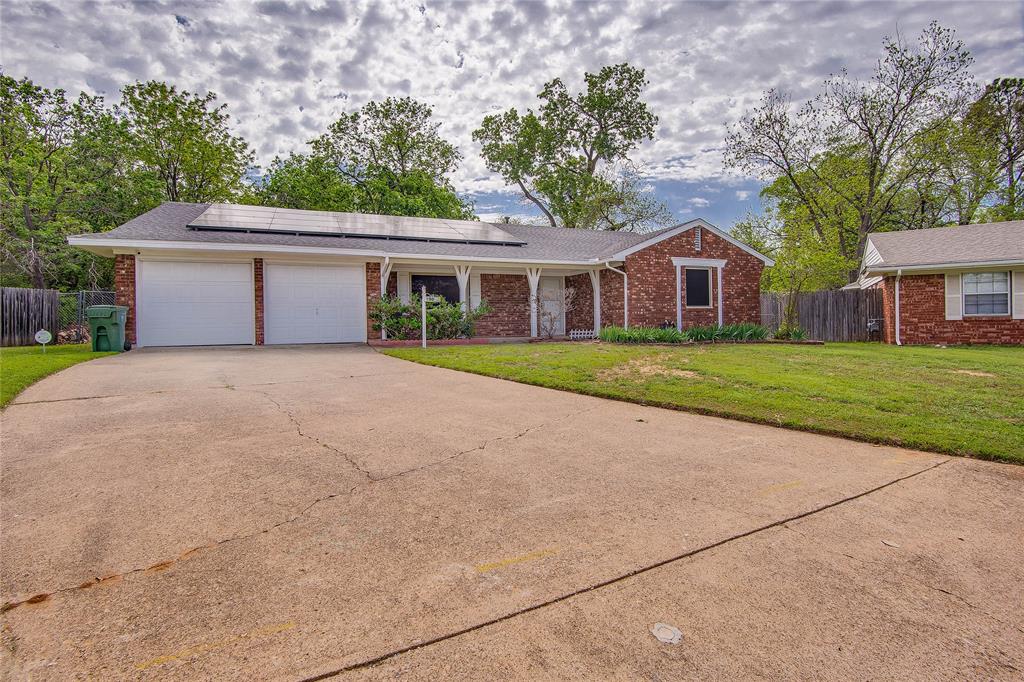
(950, 285)
(203, 274)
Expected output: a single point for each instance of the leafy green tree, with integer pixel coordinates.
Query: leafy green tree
(393, 155)
(185, 140)
(63, 171)
(858, 143)
(307, 182)
(957, 180)
(571, 157)
(999, 116)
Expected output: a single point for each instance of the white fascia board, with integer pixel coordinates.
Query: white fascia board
(108, 246)
(679, 229)
(698, 262)
(884, 269)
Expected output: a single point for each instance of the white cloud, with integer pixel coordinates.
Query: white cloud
(699, 202)
(742, 194)
(287, 69)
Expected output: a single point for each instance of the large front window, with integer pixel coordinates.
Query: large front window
(986, 293)
(445, 286)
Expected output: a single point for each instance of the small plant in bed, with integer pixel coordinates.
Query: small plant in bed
(790, 333)
(731, 332)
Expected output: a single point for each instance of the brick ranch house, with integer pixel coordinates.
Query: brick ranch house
(950, 285)
(204, 274)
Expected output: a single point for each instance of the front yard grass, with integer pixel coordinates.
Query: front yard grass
(958, 400)
(24, 366)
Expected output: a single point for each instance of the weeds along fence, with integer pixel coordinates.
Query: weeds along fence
(835, 315)
(23, 312)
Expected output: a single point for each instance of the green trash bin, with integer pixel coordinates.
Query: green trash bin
(106, 323)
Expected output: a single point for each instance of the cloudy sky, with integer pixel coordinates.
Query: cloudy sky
(287, 69)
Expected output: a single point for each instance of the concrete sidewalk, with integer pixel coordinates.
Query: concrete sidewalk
(292, 512)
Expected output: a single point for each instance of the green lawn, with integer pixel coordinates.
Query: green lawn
(22, 367)
(962, 400)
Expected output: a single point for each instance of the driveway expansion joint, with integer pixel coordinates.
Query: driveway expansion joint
(381, 658)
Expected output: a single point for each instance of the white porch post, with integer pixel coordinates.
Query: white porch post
(721, 316)
(385, 275)
(595, 282)
(679, 298)
(533, 279)
(462, 274)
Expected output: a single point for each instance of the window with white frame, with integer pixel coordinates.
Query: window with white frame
(986, 293)
(698, 287)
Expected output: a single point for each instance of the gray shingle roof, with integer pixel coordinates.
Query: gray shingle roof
(986, 242)
(168, 222)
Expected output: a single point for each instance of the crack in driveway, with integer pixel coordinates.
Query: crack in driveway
(370, 480)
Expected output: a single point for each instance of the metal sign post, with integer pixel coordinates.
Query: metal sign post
(423, 313)
(44, 337)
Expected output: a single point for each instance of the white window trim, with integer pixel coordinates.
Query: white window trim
(711, 289)
(1008, 293)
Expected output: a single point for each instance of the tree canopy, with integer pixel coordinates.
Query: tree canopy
(185, 140)
(571, 157)
(913, 146)
(77, 166)
(392, 155)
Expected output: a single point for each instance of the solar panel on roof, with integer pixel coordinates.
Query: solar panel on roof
(272, 220)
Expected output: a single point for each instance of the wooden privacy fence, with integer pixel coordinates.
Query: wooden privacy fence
(835, 315)
(23, 312)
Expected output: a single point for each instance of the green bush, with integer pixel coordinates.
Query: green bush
(641, 335)
(744, 331)
(731, 332)
(444, 320)
(790, 333)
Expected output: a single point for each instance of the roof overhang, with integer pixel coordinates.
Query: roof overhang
(679, 229)
(925, 268)
(110, 247)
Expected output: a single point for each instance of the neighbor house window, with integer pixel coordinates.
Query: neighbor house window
(445, 286)
(986, 293)
(698, 287)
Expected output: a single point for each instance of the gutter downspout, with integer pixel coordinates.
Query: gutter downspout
(625, 293)
(898, 274)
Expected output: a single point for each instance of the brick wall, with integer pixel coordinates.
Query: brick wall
(372, 296)
(509, 299)
(652, 284)
(257, 277)
(581, 316)
(923, 316)
(124, 288)
(611, 299)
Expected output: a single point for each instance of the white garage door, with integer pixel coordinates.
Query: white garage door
(195, 303)
(314, 303)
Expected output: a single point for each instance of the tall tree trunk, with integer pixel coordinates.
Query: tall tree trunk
(35, 266)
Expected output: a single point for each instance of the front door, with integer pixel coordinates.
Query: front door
(551, 292)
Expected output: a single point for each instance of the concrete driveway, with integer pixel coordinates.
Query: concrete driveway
(296, 513)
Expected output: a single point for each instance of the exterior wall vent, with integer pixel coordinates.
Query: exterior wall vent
(696, 238)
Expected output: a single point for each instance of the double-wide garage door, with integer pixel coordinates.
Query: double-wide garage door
(187, 303)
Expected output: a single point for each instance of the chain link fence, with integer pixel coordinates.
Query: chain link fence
(74, 327)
